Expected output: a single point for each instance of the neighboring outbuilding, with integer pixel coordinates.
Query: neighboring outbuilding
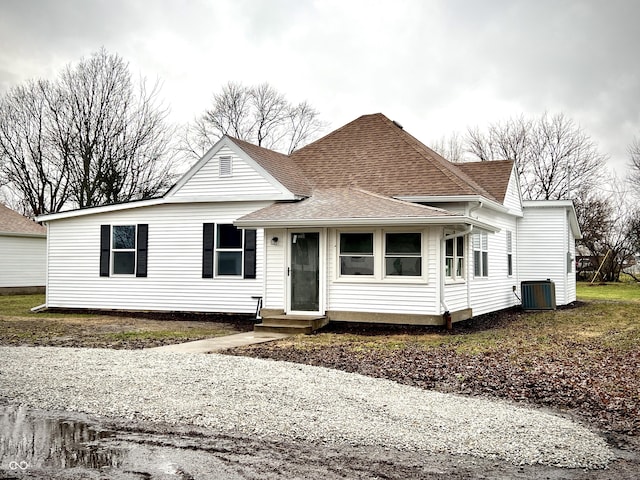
(366, 224)
(23, 254)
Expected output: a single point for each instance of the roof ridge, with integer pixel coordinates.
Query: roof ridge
(336, 131)
(449, 169)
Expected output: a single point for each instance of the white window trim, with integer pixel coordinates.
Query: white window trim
(216, 250)
(482, 246)
(509, 252)
(340, 255)
(379, 257)
(113, 250)
(454, 279)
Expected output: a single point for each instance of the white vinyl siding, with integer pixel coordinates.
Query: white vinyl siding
(233, 178)
(545, 238)
(276, 269)
(512, 199)
(23, 261)
(409, 295)
(174, 280)
(494, 292)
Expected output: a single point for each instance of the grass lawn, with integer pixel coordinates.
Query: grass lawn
(20, 326)
(623, 291)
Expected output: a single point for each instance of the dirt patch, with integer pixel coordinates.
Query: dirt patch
(113, 330)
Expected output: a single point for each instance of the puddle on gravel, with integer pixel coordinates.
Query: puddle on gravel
(35, 440)
(40, 444)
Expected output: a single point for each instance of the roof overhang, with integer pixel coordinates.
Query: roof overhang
(163, 201)
(27, 235)
(444, 221)
(431, 199)
(104, 209)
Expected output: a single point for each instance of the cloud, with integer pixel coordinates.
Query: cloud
(436, 66)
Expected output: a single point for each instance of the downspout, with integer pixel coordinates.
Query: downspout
(447, 315)
(471, 210)
(567, 257)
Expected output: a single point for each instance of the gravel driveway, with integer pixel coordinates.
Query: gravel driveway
(261, 397)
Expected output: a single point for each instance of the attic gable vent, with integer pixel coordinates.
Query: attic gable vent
(225, 167)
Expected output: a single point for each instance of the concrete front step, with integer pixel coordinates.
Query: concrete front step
(291, 324)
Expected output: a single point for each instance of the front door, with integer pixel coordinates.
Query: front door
(304, 272)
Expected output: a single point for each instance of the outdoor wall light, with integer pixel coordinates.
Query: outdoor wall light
(274, 241)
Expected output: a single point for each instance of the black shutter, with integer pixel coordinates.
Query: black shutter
(141, 253)
(249, 254)
(105, 249)
(207, 249)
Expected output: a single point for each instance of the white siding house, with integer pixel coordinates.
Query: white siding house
(23, 249)
(366, 224)
(548, 235)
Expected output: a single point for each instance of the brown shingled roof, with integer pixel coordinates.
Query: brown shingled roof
(13, 222)
(345, 204)
(374, 153)
(279, 165)
(494, 176)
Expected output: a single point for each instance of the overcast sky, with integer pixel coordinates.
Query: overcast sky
(434, 66)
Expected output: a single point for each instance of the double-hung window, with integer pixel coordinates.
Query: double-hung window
(454, 258)
(228, 256)
(228, 251)
(509, 253)
(123, 250)
(481, 255)
(356, 254)
(403, 254)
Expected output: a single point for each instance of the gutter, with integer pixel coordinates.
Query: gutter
(24, 235)
(365, 221)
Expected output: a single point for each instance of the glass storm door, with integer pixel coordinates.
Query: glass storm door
(305, 272)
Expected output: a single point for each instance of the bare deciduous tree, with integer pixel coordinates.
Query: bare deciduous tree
(86, 139)
(554, 157)
(258, 114)
(452, 148)
(609, 222)
(30, 168)
(634, 155)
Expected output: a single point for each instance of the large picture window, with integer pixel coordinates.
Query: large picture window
(356, 254)
(403, 254)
